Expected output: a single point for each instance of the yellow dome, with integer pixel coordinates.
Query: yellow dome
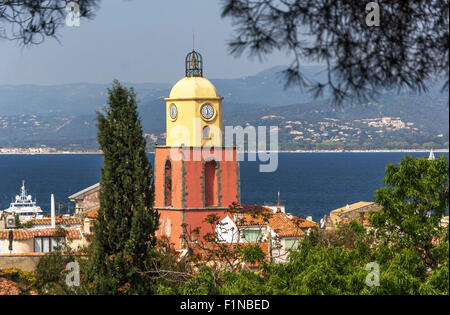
(193, 87)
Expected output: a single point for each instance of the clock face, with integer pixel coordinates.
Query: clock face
(207, 111)
(173, 111)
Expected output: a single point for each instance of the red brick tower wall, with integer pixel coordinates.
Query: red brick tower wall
(189, 194)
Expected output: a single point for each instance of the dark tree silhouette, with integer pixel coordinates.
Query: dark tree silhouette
(31, 21)
(409, 46)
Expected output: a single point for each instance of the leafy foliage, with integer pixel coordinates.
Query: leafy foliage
(410, 44)
(30, 22)
(414, 201)
(410, 246)
(25, 281)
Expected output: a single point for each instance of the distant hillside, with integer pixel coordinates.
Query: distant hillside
(69, 99)
(265, 88)
(63, 116)
(392, 122)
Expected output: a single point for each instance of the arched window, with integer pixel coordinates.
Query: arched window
(211, 183)
(206, 132)
(168, 184)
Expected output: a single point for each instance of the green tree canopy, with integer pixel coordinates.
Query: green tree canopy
(126, 222)
(414, 201)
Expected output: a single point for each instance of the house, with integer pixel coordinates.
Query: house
(261, 225)
(87, 200)
(348, 213)
(44, 236)
(29, 241)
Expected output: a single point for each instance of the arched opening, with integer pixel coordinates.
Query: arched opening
(211, 183)
(168, 184)
(206, 132)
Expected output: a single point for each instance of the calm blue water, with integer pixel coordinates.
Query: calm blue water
(310, 183)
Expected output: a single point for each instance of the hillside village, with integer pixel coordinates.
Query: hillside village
(63, 117)
(270, 227)
(275, 230)
(385, 133)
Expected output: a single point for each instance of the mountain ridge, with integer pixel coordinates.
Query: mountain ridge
(63, 116)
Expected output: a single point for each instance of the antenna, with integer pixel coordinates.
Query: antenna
(193, 40)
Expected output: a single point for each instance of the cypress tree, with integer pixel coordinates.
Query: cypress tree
(125, 226)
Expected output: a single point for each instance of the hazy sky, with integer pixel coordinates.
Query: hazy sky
(133, 41)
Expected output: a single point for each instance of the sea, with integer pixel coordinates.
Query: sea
(310, 184)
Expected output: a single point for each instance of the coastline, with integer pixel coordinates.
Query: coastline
(296, 151)
(368, 151)
(53, 153)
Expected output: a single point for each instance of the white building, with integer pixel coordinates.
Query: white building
(280, 231)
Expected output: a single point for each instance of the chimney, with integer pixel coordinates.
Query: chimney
(2, 222)
(53, 212)
(87, 226)
(309, 218)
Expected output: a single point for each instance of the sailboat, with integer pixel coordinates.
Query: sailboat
(431, 157)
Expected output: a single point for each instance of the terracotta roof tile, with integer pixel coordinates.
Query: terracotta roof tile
(59, 221)
(92, 214)
(281, 223)
(302, 223)
(8, 287)
(26, 234)
(284, 226)
(353, 207)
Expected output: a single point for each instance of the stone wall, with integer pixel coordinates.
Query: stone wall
(19, 247)
(335, 218)
(25, 262)
(90, 201)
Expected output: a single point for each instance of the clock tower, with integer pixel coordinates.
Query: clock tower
(195, 175)
(194, 108)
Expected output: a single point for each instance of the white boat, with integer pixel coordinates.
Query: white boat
(431, 157)
(24, 206)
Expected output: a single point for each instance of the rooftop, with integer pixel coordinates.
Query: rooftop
(353, 207)
(283, 224)
(193, 87)
(84, 191)
(27, 234)
(58, 221)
